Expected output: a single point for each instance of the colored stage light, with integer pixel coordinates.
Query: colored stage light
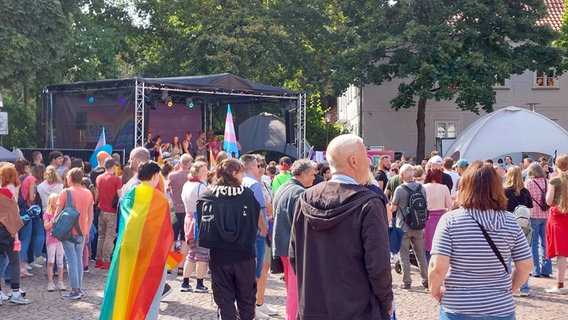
(91, 99)
(170, 104)
(191, 105)
(121, 100)
(189, 102)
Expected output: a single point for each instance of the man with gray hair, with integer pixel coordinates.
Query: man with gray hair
(303, 172)
(342, 221)
(138, 156)
(401, 202)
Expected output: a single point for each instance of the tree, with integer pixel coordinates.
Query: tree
(454, 49)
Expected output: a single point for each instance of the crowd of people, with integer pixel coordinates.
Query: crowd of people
(335, 228)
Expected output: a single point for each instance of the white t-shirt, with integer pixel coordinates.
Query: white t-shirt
(190, 193)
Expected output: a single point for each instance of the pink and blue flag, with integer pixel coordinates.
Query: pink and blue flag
(230, 139)
(101, 146)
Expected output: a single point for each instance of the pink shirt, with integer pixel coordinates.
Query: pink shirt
(26, 186)
(49, 239)
(536, 194)
(437, 196)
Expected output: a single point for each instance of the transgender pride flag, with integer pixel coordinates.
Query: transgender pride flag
(230, 139)
(101, 146)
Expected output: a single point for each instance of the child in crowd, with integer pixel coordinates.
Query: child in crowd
(54, 247)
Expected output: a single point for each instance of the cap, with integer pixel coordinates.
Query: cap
(285, 163)
(110, 163)
(436, 160)
(102, 155)
(462, 163)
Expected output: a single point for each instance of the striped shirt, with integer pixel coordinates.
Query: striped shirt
(536, 194)
(477, 283)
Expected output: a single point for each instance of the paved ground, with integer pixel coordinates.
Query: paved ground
(413, 304)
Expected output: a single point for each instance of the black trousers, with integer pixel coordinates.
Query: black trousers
(13, 264)
(235, 282)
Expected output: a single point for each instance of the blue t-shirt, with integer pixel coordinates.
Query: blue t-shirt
(250, 181)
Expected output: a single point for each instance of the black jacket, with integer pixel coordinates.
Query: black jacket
(339, 248)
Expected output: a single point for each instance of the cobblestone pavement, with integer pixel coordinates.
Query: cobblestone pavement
(413, 304)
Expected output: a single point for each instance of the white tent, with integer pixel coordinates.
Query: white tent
(509, 130)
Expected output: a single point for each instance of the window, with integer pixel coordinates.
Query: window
(545, 79)
(501, 84)
(446, 129)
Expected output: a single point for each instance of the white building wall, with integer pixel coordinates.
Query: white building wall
(396, 130)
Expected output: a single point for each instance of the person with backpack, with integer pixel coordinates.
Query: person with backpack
(410, 207)
(83, 202)
(538, 186)
(228, 216)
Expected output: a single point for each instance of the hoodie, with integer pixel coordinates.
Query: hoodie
(339, 249)
(45, 189)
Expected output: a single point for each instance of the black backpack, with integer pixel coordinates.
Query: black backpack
(416, 213)
(542, 203)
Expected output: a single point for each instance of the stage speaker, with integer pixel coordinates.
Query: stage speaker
(81, 121)
(289, 118)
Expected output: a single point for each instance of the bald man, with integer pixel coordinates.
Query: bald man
(342, 222)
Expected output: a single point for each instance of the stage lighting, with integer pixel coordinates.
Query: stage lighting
(91, 99)
(121, 101)
(189, 102)
(169, 102)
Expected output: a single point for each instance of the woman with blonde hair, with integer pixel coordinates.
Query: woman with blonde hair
(557, 225)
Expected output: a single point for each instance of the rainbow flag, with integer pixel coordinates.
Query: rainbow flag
(230, 139)
(142, 249)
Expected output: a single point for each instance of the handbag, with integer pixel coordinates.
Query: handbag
(491, 244)
(66, 222)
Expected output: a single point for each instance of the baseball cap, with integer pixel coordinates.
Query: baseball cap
(436, 160)
(462, 163)
(109, 163)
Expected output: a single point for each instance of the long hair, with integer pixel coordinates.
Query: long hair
(480, 188)
(562, 166)
(514, 180)
(225, 171)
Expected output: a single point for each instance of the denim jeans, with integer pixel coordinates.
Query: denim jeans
(74, 255)
(260, 247)
(154, 310)
(453, 316)
(25, 235)
(541, 265)
(37, 239)
(10, 265)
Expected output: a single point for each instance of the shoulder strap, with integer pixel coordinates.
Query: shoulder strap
(69, 199)
(491, 244)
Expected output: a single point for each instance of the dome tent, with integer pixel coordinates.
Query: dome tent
(509, 130)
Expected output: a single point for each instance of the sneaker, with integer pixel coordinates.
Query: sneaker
(524, 294)
(98, 263)
(61, 286)
(105, 265)
(86, 269)
(405, 286)
(39, 260)
(3, 296)
(264, 308)
(18, 299)
(544, 275)
(25, 273)
(425, 284)
(185, 287)
(73, 295)
(554, 289)
(260, 315)
(27, 266)
(167, 290)
(36, 265)
(201, 289)
(51, 287)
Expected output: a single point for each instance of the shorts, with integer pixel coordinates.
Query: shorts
(178, 226)
(268, 254)
(55, 250)
(197, 253)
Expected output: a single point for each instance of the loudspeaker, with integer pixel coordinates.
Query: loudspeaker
(289, 118)
(81, 121)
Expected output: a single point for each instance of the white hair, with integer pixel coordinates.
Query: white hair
(407, 171)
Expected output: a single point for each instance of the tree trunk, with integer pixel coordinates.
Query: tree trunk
(421, 130)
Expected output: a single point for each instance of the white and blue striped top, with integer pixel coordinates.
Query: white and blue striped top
(477, 283)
